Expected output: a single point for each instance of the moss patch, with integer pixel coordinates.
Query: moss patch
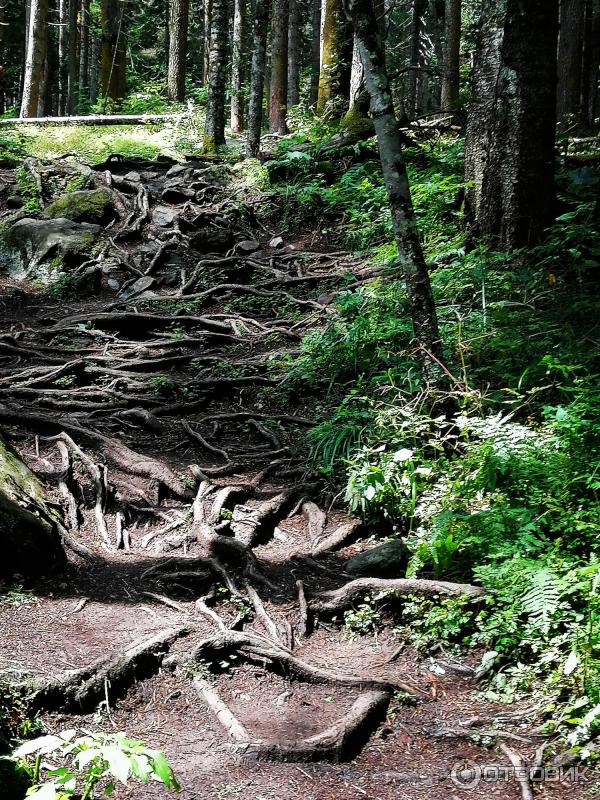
(94, 205)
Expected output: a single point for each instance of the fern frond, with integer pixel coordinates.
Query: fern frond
(541, 600)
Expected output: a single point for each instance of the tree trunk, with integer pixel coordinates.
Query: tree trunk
(413, 268)
(315, 53)
(293, 95)
(214, 129)
(178, 38)
(94, 66)
(511, 126)
(336, 59)
(451, 76)
(257, 76)
(593, 64)
(113, 49)
(279, 67)
(414, 75)
(37, 46)
(571, 45)
(73, 60)
(207, 26)
(63, 50)
(84, 51)
(237, 67)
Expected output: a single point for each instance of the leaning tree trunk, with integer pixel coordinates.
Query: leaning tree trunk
(279, 67)
(113, 48)
(411, 260)
(257, 76)
(237, 68)
(315, 53)
(451, 74)
(571, 45)
(178, 39)
(336, 59)
(511, 126)
(293, 80)
(214, 128)
(37, 46)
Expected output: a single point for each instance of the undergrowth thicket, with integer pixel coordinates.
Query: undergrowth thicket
(504, 489)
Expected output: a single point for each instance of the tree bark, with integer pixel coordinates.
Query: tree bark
(315, 53)
(84, 52)
(592, 64)
(214, 129)
(279, 67)
(73, 60)
(336, 59)
(63, 49)
(178, 39)
(451, 76)
(571, 46)
(511, 126)
(293, 95)
(37, 46)
(413, 268)
(207, 26)
(414, 75)
(113, 48)
(94, 66)
(237, 68)
(257, 76)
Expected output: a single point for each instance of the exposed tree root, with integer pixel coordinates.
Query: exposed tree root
(81, 690)
(258, 648)
(345, 534)
(339, 742)
(338, 599)
(317, 520)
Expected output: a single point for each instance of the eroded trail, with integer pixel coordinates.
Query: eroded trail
(205, 562)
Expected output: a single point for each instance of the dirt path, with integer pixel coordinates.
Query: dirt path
(195, 534)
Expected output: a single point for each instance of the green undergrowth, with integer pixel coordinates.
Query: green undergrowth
(496, 482)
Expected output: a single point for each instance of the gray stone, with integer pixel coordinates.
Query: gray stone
(164, 216)
(143, 283)
(28, 527)
(247, 246)
(388, 559)
(36, 239)
(89, 282)
(276, 242)
(134, 177)
(176, 169)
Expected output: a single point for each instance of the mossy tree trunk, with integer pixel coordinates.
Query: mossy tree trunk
(178, 40)
(336, 58)
(257, 76)
(411, 260)
(279, 67)
(28, 529)
(214, 128)
(113, 48)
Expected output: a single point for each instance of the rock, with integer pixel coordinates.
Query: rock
(28, 527)
(15, 201)
(36, 239)
(177, 194)
(89, 282)
(247, 246)
(276, 242)
(388, 559)
(164, 216)
(210, 240)
(143, 283)
(134, 177)
(177, 169)
(88, 205)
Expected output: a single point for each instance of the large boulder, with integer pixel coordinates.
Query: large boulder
(38, 240)
(90, 205)
(389, 559)
(29, 535)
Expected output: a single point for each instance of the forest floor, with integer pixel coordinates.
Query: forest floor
(195, 529)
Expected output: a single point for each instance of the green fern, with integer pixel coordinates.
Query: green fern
(541, 601)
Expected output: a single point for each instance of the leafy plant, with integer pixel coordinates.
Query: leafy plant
(66, 765)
